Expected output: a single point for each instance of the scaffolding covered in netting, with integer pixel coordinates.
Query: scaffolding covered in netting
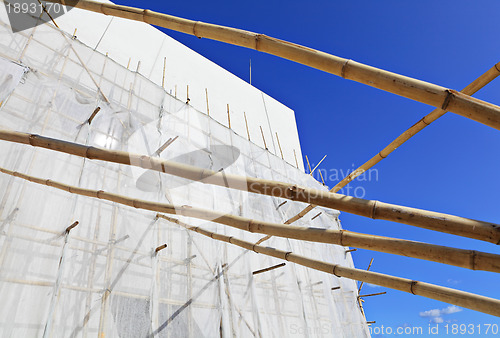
(111, 274)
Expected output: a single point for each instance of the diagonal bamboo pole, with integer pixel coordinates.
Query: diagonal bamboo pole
(471, 89)
(469, 259)
(448, 295)
(417, 90)
(456, 225)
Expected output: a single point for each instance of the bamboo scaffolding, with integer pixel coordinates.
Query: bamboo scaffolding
(206, 96)
(281, 151)
(321, 175)
(372, 294)
(91, 118)
(316, 167)
(163, 77)
(434, 95)
(161, 247)
(246, 123)
(263, 138)
(471, 89)
(308, 164)
(367, 269)
(268, 269)
(281, 204)
(448, 295)
(456, 225)
(469, 259)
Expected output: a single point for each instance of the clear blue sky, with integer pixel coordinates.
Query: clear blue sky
(452, 166)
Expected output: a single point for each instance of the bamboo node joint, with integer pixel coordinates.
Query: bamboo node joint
(334, 268)
(413, 283)
(344, 66)
(194, 30)
(449, 96)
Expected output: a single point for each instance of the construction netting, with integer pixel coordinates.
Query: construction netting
(104, 277)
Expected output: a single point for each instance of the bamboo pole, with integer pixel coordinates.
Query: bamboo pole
(448, 295)
(268, 269)
(91, 118)
(165, 145)
(321, 175)
(434, 95)
(228, 117)
(372, 294)
(281, 151)
(206, 95)
(296, 162)
(246, 123)
(263, 138)
(161, 247)
(431, 220)
(471, 89)
(469, 259)
(163, 77)
(316, 167)
(281, 204)
(367, 269)
(308, 164)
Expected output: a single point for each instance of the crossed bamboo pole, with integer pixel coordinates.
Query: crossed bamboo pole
(434, 95)
(471, 89)
(460, 298)
(469, 259)
(456, 225)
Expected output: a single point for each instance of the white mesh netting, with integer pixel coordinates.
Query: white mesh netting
(103, 278)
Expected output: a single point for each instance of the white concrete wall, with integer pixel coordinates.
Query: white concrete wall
(126, 40)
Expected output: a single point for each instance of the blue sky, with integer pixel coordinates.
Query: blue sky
(452, 166)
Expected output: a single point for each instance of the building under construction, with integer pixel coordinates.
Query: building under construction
(146, 191)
